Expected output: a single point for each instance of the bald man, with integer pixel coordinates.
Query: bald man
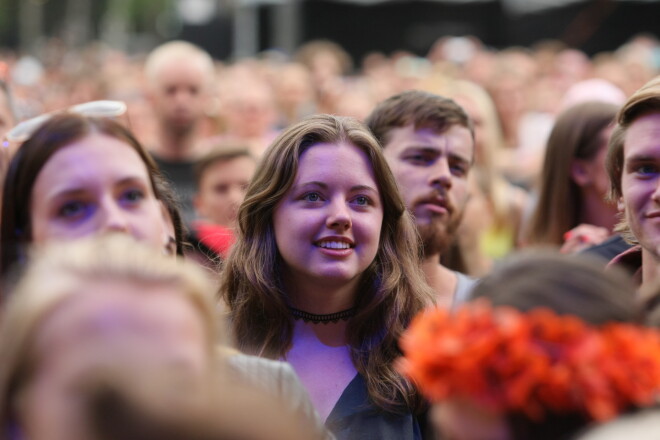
(179, 87)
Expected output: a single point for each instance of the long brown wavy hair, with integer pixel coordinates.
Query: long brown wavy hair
(577, 134)
(392, 289)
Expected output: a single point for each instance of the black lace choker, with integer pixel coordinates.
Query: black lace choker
(344, 315)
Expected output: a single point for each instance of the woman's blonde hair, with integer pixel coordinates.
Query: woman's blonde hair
(59, 272)
(392, 288)
(486, 168)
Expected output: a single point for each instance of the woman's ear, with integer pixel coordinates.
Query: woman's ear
(580, 172)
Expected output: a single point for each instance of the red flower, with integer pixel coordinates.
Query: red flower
(531, 362)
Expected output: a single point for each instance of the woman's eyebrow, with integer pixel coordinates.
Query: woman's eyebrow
(364, 188)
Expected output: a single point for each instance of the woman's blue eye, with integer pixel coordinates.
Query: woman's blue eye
(72, 209)
(133, 195)
(312, 197)
(647, 169)
(362, 200)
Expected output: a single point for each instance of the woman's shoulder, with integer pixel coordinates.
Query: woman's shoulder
(278, 379)
(276, 376)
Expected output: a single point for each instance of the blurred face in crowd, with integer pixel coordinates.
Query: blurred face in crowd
(222, 189)
(121, 328)
(96, 185)
(594, 178)
(478, 122)
(179, 93)
(432, 172)
(640, 181)
(249, 109)
(293, 87)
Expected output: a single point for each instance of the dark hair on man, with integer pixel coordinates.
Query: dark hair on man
(422, 109)
(220, 154)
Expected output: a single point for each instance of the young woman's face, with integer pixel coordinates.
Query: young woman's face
(146, 331)
(327, 226)
(98, 184)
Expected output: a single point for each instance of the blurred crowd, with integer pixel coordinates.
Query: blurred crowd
(253, 97)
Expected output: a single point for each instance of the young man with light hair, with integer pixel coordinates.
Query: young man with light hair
(633, 164)
(428, 141)
(179, 85)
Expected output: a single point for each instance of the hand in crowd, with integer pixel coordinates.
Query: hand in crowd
(583, 236)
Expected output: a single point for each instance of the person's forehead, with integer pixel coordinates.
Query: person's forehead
(643, 135)
(97, 152)
(183, 70)
(410, 135)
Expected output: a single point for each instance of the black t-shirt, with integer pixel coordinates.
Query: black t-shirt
(182, 178)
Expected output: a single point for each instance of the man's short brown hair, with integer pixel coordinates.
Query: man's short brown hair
(219, 154)
(644, 101)
(421, 109)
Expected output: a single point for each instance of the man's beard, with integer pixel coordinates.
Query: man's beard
(438, 235)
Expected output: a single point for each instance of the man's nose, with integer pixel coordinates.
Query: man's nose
(440, 174)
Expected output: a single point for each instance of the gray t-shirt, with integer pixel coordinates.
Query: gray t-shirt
(464, 286)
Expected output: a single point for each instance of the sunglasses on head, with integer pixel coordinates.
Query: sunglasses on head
(97, 109)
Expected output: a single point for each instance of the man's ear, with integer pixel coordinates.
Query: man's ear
(580, 172)
(619, 205)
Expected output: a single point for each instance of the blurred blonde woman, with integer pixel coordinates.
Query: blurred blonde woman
(494, 212)
(92, 305)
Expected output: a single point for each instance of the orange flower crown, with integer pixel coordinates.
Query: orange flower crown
(531, 362)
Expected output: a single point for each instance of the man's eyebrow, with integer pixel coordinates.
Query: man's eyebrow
(460, 157)
(641, 158)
